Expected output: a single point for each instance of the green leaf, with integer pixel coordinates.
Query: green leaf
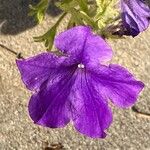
(77, 17)
(38, 11)
(106, 12)
(83, 5)
(67, 5)
(88, 20)
(48, 37)
(71, 23)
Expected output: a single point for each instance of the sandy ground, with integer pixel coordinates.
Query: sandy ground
(129, 131)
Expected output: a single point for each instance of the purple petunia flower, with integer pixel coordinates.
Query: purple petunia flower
(135, 16)
(77, 85)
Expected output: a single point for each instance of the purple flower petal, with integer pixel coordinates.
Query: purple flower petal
(73, 40)
(90, 112)
(50, 76)
(76, 86)
(135, 15)
(36, 70)
(118, 84)
(80, 43)
(96, 51)
(50, 107)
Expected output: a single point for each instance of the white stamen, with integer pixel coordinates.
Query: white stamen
(80, 66)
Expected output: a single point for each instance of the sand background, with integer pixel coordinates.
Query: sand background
(129, 131)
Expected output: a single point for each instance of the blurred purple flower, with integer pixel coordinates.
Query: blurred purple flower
(77, 85)
(135, 16)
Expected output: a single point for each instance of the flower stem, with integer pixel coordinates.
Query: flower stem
(140, 113)
(18, 55)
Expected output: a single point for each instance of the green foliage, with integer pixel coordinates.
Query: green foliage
(48, 37)
(39, 10)
(106, 12)
(99, 14)
(83, 5)
(79, 12)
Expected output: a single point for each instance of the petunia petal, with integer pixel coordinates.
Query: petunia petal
(117, 84)
(72, 41)
(50, 107)
(96, 51)
(36, 70)
(90, 112)
(83, 45)
(135, 15)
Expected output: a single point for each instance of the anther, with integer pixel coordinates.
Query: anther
(80, 66)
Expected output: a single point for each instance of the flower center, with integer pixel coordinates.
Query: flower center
(80, 66)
